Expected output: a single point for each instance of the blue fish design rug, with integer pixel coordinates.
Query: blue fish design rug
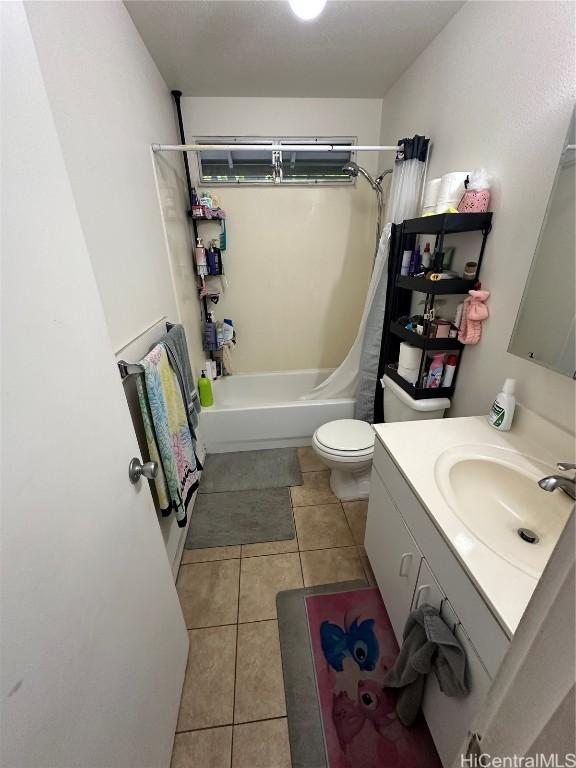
(353, 645)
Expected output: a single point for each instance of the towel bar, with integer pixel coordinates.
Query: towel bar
(129, 369)
(133, 369)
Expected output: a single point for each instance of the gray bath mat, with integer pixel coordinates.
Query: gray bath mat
(251, 470)
(240, 517)
(304, 718)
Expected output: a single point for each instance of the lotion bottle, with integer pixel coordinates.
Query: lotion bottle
(502, 411)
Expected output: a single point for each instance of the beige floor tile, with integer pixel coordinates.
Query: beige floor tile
(356, 512)
(209, 593)
(367, 567)
(322, 527)
(261, 578)
(211, 748)
(309, 460)
(262, 745)
(326, 566)
(316, 490)
(212, 553)
(208, 694)
(259, 681)
(270, 548)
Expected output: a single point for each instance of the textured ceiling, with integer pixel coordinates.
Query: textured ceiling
(356, 48)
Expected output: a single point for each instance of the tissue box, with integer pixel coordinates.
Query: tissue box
(474, 201)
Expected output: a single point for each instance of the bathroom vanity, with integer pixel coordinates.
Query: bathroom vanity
(447, 498)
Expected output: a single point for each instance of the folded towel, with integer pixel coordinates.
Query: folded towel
(428, 644)
(175, 342)
(167, 434)
(474, 313)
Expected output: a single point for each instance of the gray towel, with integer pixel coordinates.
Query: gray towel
(428, 644)
(175, 342)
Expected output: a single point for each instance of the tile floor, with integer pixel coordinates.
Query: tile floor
(233, 712)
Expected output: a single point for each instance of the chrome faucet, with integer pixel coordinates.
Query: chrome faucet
(566, 484)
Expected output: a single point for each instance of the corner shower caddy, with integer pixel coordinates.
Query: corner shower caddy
(177, 95)
(399, 295)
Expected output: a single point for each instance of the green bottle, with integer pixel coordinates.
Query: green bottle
(205, 391)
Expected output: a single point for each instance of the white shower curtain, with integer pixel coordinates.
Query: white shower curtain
(356, 375)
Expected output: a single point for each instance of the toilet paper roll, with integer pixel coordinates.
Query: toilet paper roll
(451, 186)
(431, 192)
(409, 356)
(410, 374)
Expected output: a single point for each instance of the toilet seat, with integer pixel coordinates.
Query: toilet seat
(345, 438)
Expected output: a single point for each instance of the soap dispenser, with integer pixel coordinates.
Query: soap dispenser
(502, 411)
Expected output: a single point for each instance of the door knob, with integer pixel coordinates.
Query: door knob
(136, 470)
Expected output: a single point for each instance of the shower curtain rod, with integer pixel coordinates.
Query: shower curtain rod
(274, 147)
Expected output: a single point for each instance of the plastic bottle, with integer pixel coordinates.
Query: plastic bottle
(426, 257)
(205, 391)
(406, 259)
(200, 254)
(451, 364)
(227, 330)
(435, 371)
(502, 411)
(415, 261)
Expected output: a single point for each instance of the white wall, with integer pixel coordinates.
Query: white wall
(496, 89)
(298, 259)
(110, 104)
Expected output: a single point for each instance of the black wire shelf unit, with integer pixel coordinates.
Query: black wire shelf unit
(399, 300)
(195, 220)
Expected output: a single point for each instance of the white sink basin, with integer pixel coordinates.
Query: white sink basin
(495, 493)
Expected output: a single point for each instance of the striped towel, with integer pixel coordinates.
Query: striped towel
(167, 434)
(175, 342)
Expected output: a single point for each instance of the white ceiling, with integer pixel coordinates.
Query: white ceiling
(356, 48)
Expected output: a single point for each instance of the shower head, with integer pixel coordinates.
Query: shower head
(353, 169)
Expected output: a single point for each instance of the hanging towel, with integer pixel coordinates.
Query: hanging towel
(474, 313)
(167, 434)
(175, 342)
(428, 644)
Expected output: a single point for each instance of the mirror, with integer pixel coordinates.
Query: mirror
(545, 329)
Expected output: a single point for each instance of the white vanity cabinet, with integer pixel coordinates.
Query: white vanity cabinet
(413, 565)
(394, 555)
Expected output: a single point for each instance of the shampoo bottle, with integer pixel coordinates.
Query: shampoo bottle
(435, 372)
(426, 257)
(502, 411)
(205, 391)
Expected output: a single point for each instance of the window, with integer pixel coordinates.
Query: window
(256, 166)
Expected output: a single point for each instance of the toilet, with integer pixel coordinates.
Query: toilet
(346, 446)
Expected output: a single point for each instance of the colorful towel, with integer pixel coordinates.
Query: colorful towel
(167, 434)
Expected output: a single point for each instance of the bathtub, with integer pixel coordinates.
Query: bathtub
(262, 410)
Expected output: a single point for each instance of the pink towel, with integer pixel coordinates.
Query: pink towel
(474, 312)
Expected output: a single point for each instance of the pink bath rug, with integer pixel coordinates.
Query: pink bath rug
(353, 644)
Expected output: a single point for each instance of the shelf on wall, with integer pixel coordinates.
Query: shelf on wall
(448, 223)
(436, 287)
(424, 342)
(417, 393)
(204, 218)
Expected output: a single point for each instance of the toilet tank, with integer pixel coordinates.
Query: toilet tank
(399, 406)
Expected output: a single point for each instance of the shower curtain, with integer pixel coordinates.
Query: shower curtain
(356, 375)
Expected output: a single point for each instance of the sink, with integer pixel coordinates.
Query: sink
(495, 493)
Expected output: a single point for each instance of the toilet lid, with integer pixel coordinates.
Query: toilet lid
(346, 435)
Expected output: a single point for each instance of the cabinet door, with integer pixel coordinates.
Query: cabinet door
(393, 554)
(449, 718)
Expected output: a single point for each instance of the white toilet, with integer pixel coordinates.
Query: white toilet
(346, 446)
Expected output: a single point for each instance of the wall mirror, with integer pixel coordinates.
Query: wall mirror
(545, 329)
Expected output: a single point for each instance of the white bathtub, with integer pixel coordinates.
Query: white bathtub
(262, 410)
